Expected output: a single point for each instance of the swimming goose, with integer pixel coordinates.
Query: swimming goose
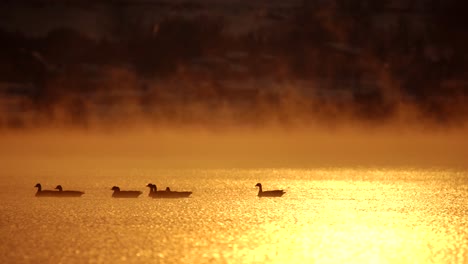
(273, 193)
(45, 193)
(153, 190)
(63, 193)
(167, 193)
(124, 194)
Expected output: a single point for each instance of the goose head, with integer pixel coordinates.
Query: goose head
(258, 185)
(150, 185)
(59, 187)
(115, 188)
(38, 185)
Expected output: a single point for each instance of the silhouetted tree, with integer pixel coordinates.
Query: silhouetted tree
(66, 46)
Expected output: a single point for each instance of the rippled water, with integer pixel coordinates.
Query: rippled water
(334, 215)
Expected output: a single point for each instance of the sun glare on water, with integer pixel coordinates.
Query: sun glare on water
(335, 214)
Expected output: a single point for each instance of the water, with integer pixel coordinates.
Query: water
(334, 215)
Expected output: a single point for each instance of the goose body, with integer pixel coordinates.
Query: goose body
(124, 194)
(45, 193)
(153, 190)
(63, 193)
(273, 193)
(154, 193)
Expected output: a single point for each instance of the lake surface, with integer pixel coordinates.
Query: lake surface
(328, 215)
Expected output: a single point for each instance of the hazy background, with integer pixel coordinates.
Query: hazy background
(233, 83)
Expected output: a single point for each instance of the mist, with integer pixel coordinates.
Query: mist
(78, 151)
(211, 84)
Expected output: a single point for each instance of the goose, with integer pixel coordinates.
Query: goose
(63, 193)
(124, 194)
(154, 191)
(167, 193)
(273, 193)
(45, 193)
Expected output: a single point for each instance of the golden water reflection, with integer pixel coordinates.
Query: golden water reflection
(332, 215)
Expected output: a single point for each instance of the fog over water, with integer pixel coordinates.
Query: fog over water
(356, 109)
(306, 63)
(201, 148)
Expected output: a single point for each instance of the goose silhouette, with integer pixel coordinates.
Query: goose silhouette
(154, 193)
(63, 193)
(124, 194)
(273, 193)
(45, 193)
(153, 190)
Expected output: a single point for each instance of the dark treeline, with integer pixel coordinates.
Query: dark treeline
(364, 57)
